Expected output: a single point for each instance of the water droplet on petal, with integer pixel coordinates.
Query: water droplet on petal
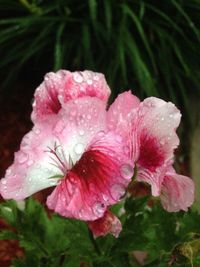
(73, 112)
(3, 181)
(101, 133)
(89, 117)
(127, 171)
(78, 148)
(81, 132)
(99, 209)
(162, 142)
(77, 77)
(105, 198)
(22, 157)
(117, 191)
(8, 172)
(30, 162)
(89, 81)
(96, 77)
(37, 131)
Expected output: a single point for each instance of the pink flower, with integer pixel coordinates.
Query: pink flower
(109, 223)
(150, 130)
(62, 86)
(73, 150)
(177, 192)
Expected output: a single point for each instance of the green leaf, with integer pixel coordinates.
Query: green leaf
(58, 56)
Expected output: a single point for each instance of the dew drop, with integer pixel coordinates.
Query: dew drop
(77, 77)
(105, 198)
(99, 209)
(101, 133)
(89, 81)
(30, 162)
(162, 142)
(37, 131)
(89, 117)
(127, 171)
(73, 112)
(8, 172)
(119, 138)
(22, 157)
(96, 78)
(3, 181)
(117, 191)
(78, 148)
(81, 132)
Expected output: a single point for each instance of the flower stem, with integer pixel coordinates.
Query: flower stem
(94, 243)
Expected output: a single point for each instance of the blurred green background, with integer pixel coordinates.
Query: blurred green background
(150, 46)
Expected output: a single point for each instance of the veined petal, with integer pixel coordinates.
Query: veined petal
(62, 86)
(108, 224)
(80, 120)
(154, 179)
(96, 181)
(177, 192)
(31, 169)
(120, 118)
(53, 147)
(120, 111)
(157, 121)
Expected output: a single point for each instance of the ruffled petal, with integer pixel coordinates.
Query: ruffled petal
(108, 224)
(31, 170)
(177, 192)
(120, 111)
(156, 123)
(97, 180)
(80, 120)
(53, 147)
(120, 118)
(62, 86)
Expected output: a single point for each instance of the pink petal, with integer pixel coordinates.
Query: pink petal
(80, 120)
(156, 124)
(68, 133)
(119, 118)
(120, 111)
(177, 192)
(97, 180)
(31, 170)
(109, 223)
(62, 86)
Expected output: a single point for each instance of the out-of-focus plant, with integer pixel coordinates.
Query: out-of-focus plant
(152, 45)
(168, 239)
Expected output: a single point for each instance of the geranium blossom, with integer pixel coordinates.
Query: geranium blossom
(73, 150)
(89, 154)
(150, 128)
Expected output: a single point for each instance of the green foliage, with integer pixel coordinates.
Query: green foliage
(150, 46)
(170, 239)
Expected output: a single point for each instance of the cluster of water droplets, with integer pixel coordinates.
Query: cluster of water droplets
(86, 76)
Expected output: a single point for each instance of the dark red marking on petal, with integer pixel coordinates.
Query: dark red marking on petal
(151, 152)
(53, 102)
(95, 167)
